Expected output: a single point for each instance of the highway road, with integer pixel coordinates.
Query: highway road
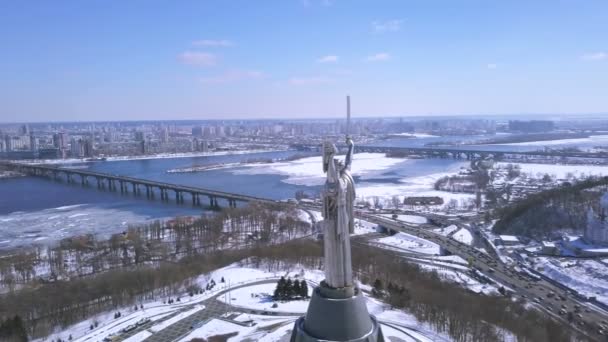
(580, 315)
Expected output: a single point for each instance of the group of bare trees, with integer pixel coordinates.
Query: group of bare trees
(59, 285)
(561, 208)
(85, 255)
(446, 306)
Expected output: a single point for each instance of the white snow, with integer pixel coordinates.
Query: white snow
(259, 297)
(218, 327)
(162, 325)
(588, 277)
(464, 236)
(409, 243)
(415, 135)
(413, 219)
(446, 230)
(308, 171)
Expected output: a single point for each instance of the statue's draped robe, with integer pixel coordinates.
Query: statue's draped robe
(338, 201)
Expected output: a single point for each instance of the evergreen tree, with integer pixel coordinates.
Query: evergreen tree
(296, 288)
(303, 289)
(378, 288)
(279, 292)
(288, 288)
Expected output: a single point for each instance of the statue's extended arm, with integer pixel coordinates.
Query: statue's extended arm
(349, 154)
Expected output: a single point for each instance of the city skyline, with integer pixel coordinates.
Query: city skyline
(297, 59)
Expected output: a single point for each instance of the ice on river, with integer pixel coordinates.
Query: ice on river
(51, 225)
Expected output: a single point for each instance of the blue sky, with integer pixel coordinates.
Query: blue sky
(132, 60)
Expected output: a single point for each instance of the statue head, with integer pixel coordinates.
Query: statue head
(329, 150)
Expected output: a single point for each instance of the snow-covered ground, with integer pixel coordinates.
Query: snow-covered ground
(408, 243)
(588, 277)
(367, 167)
(259, 297)
(308, 171)
(464, 236)
(398, 323)
(412, 219)
(446, 230)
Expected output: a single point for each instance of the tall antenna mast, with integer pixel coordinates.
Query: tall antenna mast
(347, 116)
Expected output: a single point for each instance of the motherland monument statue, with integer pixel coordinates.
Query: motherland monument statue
(337, 309)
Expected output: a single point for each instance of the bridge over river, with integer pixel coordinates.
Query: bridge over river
(126, 184)
(463, 152)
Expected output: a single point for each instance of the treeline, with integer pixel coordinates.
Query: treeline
(62, 303)
(256, 224)
(475, 181)
(446, 306)
(12, 330)
(565, 207)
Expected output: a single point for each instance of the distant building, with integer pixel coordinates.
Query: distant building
(24, 130)
(197, 131)
(533, 126)
(164, 135)
(508, 240)
(87, 148)
(549, 248)
(139, 136)
(33, 142)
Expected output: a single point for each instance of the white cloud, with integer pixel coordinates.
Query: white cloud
(492, 66)
(297, 81)
(595, 56)
(328, 59)
(233, 76)
(379, 57)
(197, 58)
(212, 42)
(393, 25)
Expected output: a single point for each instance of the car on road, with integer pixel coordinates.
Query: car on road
(143, 321)
(129, 328)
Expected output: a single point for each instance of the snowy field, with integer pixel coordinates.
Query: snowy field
(368, 168)
(464, 236)
(309, 171)
(408, 243)
(588, 277)
(259, 297)
(396, 323)
(411, 219)
(446, 230)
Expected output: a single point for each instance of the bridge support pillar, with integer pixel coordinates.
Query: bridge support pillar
(147, 191)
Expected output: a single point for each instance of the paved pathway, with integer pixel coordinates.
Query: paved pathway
(214, 308)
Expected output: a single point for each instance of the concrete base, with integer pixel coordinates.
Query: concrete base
(344, 318)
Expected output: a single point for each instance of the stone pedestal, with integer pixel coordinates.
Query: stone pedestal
(337, 315)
